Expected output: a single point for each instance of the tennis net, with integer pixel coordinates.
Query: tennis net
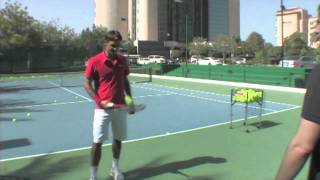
(140, 74)
(137, 75)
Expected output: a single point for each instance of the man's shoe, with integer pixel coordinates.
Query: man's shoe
(116, 174)
(93, 178)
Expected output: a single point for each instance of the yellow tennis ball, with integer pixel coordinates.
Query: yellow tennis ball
(259, 94)
(251, 97)
(129, 100)
(234, 98)
(14, 119)
(28, 114)
(241, 99)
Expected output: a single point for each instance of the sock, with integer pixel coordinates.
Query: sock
(94, 171)
(115, 164)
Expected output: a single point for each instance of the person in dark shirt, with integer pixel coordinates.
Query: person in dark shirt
(308, 134)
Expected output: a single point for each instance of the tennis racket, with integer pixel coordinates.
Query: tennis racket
(132, 108)
(314, 169)
(129, 108)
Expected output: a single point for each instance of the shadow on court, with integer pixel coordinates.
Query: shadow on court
(14, 143)
(13, 178)
(10, 119)
(264, 125)
(256, 126)
(48, 167)
(149, 170)
(19, 88)
(14, 105)
(15, 102)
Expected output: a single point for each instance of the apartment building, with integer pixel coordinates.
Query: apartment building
(294, 20)
(169, 20)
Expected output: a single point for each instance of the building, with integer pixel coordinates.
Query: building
(224, 18)
(112, 14)
(312, 28)
(169, 20)
(294, 20)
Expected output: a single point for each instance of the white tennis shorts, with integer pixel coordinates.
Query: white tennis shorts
(101, 120)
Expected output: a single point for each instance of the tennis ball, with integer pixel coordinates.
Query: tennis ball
(238, 97)
(242, 100)
(55, 101)
(129, 100)
(250, 97)
(14, 119)
(259, 94)
(28, 114)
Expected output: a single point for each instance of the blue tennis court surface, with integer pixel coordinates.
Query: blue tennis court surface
(60, 117)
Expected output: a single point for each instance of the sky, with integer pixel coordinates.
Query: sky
(255, 15)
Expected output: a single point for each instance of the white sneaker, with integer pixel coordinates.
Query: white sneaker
(116, 174)
(93, 178)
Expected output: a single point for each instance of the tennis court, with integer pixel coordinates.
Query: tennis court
(182, 134)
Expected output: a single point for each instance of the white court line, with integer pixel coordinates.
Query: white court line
(233, 84)
(185, 89)
(72, 92)
(71, 102)
(152, 95)
(45, 104)
(146, 138)
(206, 92)
(208, 99)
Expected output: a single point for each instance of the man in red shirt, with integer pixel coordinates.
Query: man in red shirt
(106, 82)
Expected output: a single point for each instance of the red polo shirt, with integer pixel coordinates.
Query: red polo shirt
(108, 77)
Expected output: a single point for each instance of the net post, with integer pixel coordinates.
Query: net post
(150, 74)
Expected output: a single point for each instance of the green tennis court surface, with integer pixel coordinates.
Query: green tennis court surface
(183, 133)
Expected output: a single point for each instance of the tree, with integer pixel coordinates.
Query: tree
(90, 41)
(56, 35)
(315, 36)
(272, 54)
(18, 32)
(129, 46)
(255, 43)
(198, 46)
(296, 44)
(317, 55)
(17, 27)
(226, 45)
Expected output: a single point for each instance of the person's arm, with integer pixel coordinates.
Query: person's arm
(90, 90)
(307, 136)
(299, 149)
(127, 87)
